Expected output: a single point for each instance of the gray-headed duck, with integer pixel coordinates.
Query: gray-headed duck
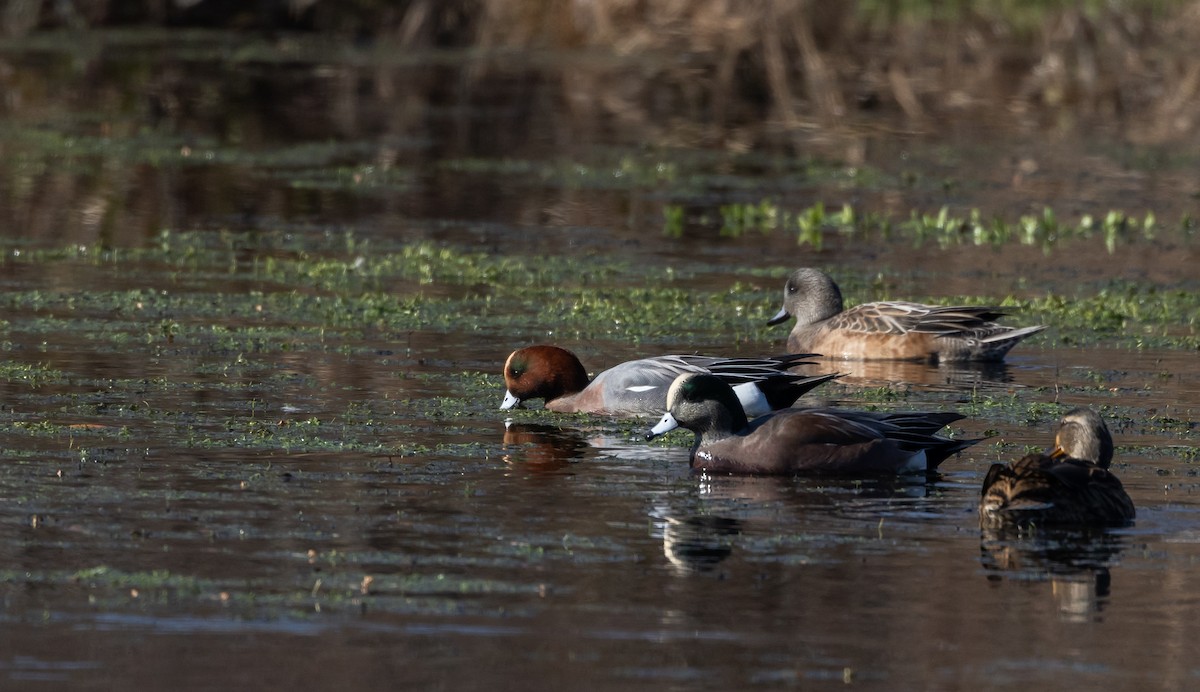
(892, 330)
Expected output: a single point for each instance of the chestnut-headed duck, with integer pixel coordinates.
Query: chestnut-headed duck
(891, 330)
(1069, 485)
(831, 442)
(639, 387)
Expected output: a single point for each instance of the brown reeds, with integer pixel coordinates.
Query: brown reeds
(714, 66)
(719, 63)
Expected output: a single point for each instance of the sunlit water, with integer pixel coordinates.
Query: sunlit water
(541, 555)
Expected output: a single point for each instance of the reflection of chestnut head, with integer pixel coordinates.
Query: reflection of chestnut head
(542, 447)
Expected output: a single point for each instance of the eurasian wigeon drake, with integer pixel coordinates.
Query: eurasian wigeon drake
(1069, 485)
(639, 387)
(891, 330)
(798, 441)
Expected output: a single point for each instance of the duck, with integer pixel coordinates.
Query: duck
(890, 330)
(801, 441)
(638, 388)
(1069, 485)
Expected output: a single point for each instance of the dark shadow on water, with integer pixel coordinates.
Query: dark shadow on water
(1076, 562)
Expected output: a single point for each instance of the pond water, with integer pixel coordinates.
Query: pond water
(257, 299)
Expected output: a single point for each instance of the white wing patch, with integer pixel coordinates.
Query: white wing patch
(754, 402)
(917, 463)
(641, 388)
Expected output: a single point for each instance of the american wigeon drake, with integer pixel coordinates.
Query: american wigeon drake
(802, 441)
(1070, 485)
(639, 387)
(891, 330)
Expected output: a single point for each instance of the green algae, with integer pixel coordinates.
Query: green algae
(29, 374)
(338, 165)
(327, 291)
(813, 225)
(624, 172)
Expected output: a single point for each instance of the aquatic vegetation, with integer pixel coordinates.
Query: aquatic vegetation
(607, 172)
(32, 375)
(499, 291)
(325, 291)
(813, 225)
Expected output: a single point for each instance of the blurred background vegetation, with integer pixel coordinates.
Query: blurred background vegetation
(122, 117)
(718, 65)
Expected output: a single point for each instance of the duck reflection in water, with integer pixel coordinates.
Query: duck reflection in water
(1075, 561)
(726, 513)
(542, 448)
(946, 377)
(697, 544)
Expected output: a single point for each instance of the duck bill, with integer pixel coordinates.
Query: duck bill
(779, 317)
(667, 424)
(510, 401)
(1058, 452)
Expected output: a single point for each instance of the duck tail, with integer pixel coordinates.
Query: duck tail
(781, 391)
(919, 424)
(943, 448)
(1012, 336)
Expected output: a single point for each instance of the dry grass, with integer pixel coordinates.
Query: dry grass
(722, 64)
(715, 67)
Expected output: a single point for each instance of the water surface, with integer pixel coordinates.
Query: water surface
(262, 447)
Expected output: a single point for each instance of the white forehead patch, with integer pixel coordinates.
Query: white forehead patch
(673, 392)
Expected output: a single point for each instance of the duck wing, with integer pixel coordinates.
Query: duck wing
(1040, 489)
(640, 386)
(737, 370)
(900, 317)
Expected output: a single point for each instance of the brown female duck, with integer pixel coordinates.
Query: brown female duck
(1070, 485)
